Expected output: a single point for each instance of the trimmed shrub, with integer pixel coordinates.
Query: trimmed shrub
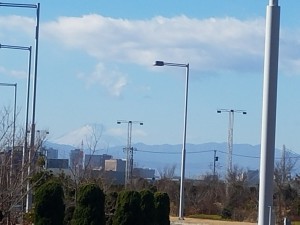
(49, 204)
(147, 208)
(89, 209)
(162, 208)
(226, 213)
(128, 211)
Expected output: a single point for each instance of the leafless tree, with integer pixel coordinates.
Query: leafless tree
(10, 162)
(168, 172)
(13, 169)
(282, 181)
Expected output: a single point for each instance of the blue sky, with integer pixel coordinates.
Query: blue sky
(95, 66)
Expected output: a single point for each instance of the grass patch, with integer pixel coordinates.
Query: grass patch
(209, 217)
(296, 223)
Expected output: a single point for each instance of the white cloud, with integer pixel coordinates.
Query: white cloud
(13, 73)
(213, 44)
(18, 74)
(112, 80)
(13, 24)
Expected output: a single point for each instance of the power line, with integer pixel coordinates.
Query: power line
(245, 156)
(173, 153)
(199, 152)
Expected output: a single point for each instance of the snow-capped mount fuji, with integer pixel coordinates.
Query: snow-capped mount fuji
(87, 135)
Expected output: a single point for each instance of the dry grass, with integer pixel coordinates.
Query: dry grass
(190, 221)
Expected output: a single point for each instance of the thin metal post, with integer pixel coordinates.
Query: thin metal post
(16, 47)
(25, 147)
(183, 155)
(270, 215)
(182, 173)
(32, 135)
(14, 132)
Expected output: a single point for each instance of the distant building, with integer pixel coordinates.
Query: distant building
(96, 162)
(51, 153)
(114, 177)
(76, 160)
(117, 165)
(144, 173)
(57, 163)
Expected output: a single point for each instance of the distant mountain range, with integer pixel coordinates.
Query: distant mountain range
(199, 157)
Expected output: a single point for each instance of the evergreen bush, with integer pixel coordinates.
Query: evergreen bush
(89, 208)
(128, 211)
(49, 204)
(226, 213)
(162, 208)
(147, 208)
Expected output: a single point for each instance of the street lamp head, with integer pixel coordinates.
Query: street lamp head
(159, 63)
(118, 122)
(141, 123)
(244, 112)
(218, 111)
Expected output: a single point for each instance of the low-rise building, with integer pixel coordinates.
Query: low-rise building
(117, 165)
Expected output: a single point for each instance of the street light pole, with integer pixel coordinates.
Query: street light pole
(37, 7)
(129, 150)
(29, 49)
(182, 173)
(269, 114)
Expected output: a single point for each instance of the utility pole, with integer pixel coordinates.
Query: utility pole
(129, 150)
(284, 175)
(230, 134)
(216, 158)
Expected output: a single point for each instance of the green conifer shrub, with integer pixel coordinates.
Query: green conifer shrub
(128, 211)
(49, 204)
(89, 208)
(147, 208)
(162, 208)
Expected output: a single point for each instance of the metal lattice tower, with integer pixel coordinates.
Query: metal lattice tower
(129, 150)
(230, 134)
